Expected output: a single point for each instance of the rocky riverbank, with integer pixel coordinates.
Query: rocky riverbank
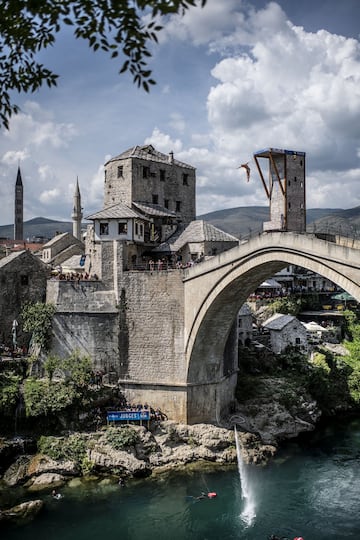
(133, 451)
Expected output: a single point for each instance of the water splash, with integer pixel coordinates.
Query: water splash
(248, 513)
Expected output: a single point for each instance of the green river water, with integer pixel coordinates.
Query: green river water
(311, 489)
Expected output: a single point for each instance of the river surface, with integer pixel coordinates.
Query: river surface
(311, 489)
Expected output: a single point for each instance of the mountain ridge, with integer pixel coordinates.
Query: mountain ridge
(239, 221)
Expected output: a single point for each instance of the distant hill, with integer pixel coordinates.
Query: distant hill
(38, 227)
(240, 222)
(247, 220)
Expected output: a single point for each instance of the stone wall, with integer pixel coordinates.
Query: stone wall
(87, 320)
(295, 193)
(152, 306)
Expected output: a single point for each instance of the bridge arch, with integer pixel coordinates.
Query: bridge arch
(215, 292)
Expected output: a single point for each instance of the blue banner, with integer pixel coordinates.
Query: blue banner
(118, 416)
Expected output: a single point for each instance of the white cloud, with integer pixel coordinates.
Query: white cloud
(49, 196)
(177, 122)
(36, 127)
(163, 142)
(202, 25)
(15, 157)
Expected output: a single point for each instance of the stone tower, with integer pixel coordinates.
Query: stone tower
(19, 206)
(77, 212)
(285, 189)
(143, 175)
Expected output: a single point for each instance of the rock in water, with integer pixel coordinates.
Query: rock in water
(22, 513)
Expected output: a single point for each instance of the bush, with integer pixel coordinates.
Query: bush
(9, 392)
(319, 360)
(43, 398)
(37, 319)
(78, 369)
(354, 385)
(119, 438)
(71, 448)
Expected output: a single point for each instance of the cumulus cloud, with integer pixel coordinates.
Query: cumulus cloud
(14, 157)
(36, 127)
(49, 195)
(163, 142)
(281, 86)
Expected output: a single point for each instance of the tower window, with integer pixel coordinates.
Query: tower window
(155, 198)
(120, 171)
(185, 179)
(166, 203)
(178, 206)
(289, 205)
(104, 228)
(24, 280)
(122, 228)
(162, 175)
(146, 172)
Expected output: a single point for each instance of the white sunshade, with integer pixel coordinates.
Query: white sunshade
(270, 284)
(314, 327)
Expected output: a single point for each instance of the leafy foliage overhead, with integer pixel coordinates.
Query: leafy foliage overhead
(29, 26)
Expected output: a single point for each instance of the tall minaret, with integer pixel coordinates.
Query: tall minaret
(77, 213)
(19, 205)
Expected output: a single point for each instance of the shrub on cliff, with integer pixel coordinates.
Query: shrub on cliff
(71, 448)
(9, 393)
(43, 398)
(119, 438)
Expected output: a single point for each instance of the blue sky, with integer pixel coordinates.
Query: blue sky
(232, 78)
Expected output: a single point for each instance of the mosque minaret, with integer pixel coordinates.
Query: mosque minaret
(77, 212)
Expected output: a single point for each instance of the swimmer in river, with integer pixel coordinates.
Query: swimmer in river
(56, 495)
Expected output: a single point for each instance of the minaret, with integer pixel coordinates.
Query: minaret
(19, 205)
(77, 213)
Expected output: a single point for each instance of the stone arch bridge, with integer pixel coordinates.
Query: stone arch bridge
(168, 337)
(215, 290)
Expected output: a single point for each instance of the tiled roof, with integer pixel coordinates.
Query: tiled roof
(196, 231)
(116, 211)
(278, 321)
(149, 153)
(56, 238)
(245, 310)
(154, 209)
(6, 260)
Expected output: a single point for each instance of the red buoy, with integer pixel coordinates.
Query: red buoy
(212, 495)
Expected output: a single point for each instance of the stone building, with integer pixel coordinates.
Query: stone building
(196, 241)
(285, 330)
(23, 278)
(145, 176)
(60, 248)
(245, 325)
(147, 196)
